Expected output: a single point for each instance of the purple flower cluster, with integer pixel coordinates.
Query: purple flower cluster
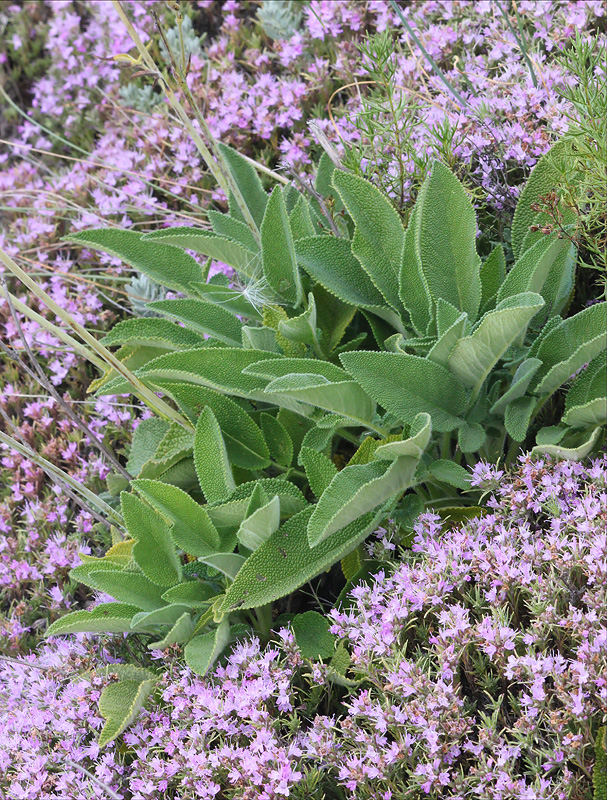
(478, 668)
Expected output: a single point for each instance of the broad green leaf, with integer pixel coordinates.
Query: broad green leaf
(333, 317)
(586, 402)
(407, 385)
(121, 702)
(529, 272)
(278, 441)
(206, 318)
(229, 299)
(260, 525)
(355, 491)
(219, 368)
(179, 632)
(234, 509)
(330, 262)
(219, 248)
(104, 618)
(300, 220)
(414, 445)
(194, 594)
(517, 417)
(320, 470)
(166, 265)
(146, 438)
(414, 291)
(285, 561)
(599, 773)
(492, 273)
(152, 332)
(471, 437)
(228, 226)
(545, 177)
(571, 344)
(344, 398)
(175, 445)
(244, 441)
(351, 565)
(261, 338)
(228, 563)
(450, 472)
(474, 357)
(445, 230)
(572, 448)
(379, 235)
(192, 530)
(153, 550)
(277, 252)
(201, 652)
(312, 636)
(125, 586)
(302, 329)
(551, 434)
(519, 385)
(247, 180)
(167, 615)
(440, 352)
(558, 286)
(211, 458)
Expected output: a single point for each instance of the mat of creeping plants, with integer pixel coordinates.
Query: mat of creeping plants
(303, 400)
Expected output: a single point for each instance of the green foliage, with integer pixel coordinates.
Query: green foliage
(304, 443)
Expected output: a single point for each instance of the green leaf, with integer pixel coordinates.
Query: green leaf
(312, 636)
(206, 318)
(193, 594)
(519, 385)
(333, 317)
(278, 441)
(175, 445)
(330, 262)
(260, 525)
(120, 704)
(492, 273)
(440, 352)
(471, 438)
(445, 231)
(166, 265)
(219, 248)
(179, 632)
(201, 652)
(355, 491)
(320, 470)
(150, 620)
(247, 180)
(146, 438)
(530, 271)
(244, 441)
(450, 472)
(300, 220)
(599, 773)
(229, 299)
(211, 458)
(234, 509)
(572, 448)
(517, 417)
(225, 225)
(153, 550)
(571, 344)
(586, 402)
(285, 561)
(302, 329)
(104, 618)
(379, 235)
(219, 368)
(261, 338)
(160, 333)
(474, 357)
(414, 445)
(545, 177)
(407, 385)
(125, 586)
(228, 563)
(414, 291)
(192, 530)
(277, 252)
